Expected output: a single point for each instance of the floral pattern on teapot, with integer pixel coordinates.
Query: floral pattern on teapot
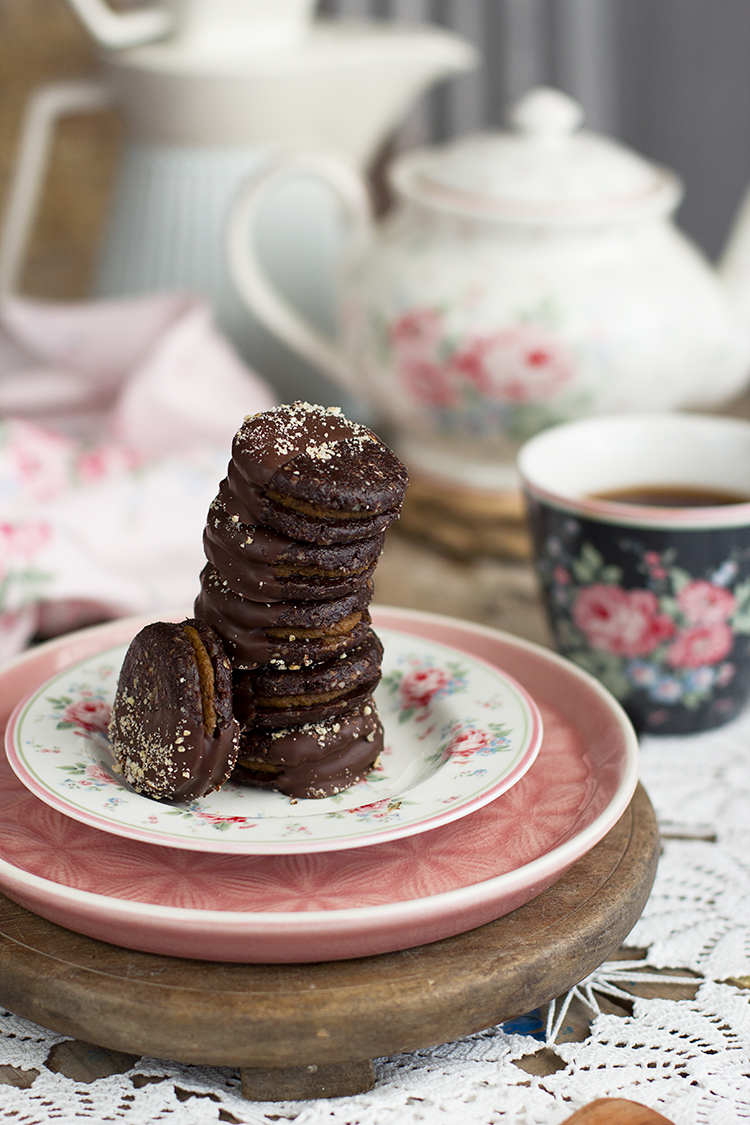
(517, 378)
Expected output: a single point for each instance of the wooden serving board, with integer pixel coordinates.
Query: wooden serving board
(301, 1031)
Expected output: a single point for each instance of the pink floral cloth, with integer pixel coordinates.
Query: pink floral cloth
(116, 420)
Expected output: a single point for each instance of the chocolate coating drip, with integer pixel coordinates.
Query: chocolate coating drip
(287, 556)
(257, 581)
(254, 506)
(313, 760)
(265, 442)
(283, 634)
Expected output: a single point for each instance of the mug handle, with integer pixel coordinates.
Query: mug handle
(44, 109)
(262, 297)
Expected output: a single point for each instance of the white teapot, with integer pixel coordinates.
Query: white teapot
(524, 278)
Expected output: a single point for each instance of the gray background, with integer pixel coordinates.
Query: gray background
(669, 77)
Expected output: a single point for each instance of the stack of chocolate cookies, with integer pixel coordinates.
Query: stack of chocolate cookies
(292, 540)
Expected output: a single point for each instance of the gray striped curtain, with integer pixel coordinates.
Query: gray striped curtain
(669, 77)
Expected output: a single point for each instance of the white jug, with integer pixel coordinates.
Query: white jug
(231, 84)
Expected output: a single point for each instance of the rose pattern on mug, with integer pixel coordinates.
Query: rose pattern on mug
(515, 380)
(666, 635)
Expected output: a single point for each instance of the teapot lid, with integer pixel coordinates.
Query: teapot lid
(544, 170)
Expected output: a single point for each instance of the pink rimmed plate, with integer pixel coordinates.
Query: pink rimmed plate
(459, 732)
(330, 905)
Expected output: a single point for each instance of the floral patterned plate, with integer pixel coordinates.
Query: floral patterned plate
(459, 732)
(339, 904)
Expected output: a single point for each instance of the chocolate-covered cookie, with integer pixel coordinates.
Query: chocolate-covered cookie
(312, 474)
(265, 565)
(173, 732)
(281, 698)
(284, 634)
(315, 759)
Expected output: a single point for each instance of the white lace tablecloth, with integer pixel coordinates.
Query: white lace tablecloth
(688, 1058)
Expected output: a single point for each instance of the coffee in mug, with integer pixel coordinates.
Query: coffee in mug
(641, 531)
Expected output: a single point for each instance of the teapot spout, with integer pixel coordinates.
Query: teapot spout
(734, 265)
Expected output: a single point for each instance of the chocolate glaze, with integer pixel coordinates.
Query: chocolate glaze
(279, 688)
(253, 506)
(266, 441)
(158, 728)
(327, 630)
(316, 759)
(250, 648)
(258, 582)
(249, 713)
(249, 614)
(262, 545)
(175, 759)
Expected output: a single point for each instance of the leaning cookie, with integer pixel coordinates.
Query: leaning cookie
(173, 733)
(315, 759)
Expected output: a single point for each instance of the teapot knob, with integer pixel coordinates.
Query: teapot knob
(545, 113)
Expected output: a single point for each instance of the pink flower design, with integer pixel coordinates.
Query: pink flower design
(705, 604)
(216, 818)
(420, 686)
(725, 674)
(417, 333)
(428, 383)
(24, 540)
(41, 460)
(97, 773)
(469, 365)
(701, 644)
(106, 461)
(623, 622)
(525, 363)
(467, 742)
(90, 714)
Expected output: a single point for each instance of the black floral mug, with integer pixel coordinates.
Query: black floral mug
(641, 529)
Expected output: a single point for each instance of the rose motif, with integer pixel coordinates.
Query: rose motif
(417, 333)
(525, 363)
(701, 644)
(106, 461)
(428, 383)
(40, 459)
(703, 603)
(421, 685)
(467, 742)
(91, 715)
(622, 622)
(24, 540)
(99, 775)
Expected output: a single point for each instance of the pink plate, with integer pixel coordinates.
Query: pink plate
(331, 905)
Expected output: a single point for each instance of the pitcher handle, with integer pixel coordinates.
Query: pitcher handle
(262, 297)
(45, 107)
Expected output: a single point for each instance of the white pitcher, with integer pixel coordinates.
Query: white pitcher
(220, 89)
